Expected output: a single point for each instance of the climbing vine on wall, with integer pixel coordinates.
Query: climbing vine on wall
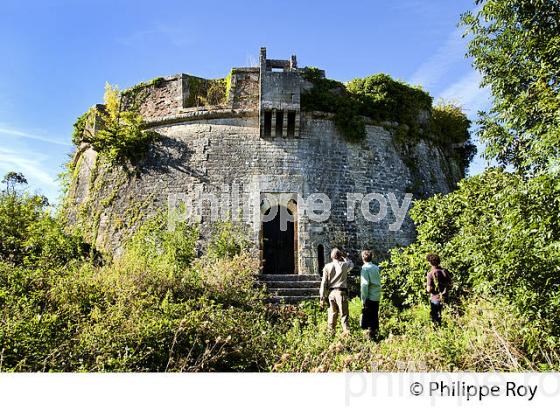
(406, 110)
(83, 127)
(377, 97)
(112, 130)
(332, 96)
(133, 97)
(450, 128)
(203, 92)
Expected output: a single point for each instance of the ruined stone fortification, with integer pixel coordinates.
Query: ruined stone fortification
(257, 141)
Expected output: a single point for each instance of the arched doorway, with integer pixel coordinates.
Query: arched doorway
(279, 247)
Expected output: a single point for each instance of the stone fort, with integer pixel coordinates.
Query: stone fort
(255, 147)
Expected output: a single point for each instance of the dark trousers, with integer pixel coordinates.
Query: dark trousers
(370, 317)
(435, 312)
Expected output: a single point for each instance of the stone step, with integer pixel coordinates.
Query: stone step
(288, 277)
(291, 288)
(311, 284)
(293, 292)
(290, 299)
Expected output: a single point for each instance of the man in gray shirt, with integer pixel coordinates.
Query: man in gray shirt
(334, 289)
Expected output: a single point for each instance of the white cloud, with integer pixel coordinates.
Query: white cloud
(467, 93)
(434, 69)
(15, 133)
(445, 73)
(30, 165)
(451, 53)
(6, 105)
(177, 36)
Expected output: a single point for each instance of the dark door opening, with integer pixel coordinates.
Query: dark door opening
(291, 123)
(267, 123)
(321, 258)
(279, 123)
(278, 246)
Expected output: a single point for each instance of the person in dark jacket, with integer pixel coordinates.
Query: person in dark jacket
(438, 284)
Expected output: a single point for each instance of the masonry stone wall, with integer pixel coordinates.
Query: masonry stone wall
(196, 156)
(244, 91)
(256, 141)
(164, 98)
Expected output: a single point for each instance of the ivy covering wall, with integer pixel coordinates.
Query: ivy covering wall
(115, 130)
(408, 111)
(203, 92)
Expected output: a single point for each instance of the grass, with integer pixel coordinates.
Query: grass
(161, 306)
(478, 335)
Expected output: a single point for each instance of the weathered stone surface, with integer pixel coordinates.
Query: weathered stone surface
(220, 150)
(204, 156)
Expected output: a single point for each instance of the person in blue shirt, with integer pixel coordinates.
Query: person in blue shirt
(370, 293)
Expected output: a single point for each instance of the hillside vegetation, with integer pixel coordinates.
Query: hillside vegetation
(160, 307)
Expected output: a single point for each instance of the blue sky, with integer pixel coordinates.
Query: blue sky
(57, 56)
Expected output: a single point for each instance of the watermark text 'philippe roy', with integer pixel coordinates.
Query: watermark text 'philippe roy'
(232, 204)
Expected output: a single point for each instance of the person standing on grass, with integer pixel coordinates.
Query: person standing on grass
(370, 294)
(334, 289)
(438, 283)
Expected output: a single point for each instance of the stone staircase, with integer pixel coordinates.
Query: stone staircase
(291, 288)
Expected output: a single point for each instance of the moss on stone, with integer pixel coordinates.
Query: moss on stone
(332, 96)
(404, 110)
(228, 86)
(203, 92)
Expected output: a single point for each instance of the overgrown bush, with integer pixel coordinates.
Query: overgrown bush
(499, 234)
(119, 133)
(126, 317)
(30, 236)
(385, 101)
(157, 308)
(450, 128)
(450, 125)
(159, 246)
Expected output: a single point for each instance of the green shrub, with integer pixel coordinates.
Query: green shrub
(450, 124)
(385, 99)
(155, 308)
(119, 134)
(450, 127)
(30, 236)
(499, 235)
(228, 239)
(331, 96)
(159, 246)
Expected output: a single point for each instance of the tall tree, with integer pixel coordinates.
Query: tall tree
(11, 179)
(515, 45)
